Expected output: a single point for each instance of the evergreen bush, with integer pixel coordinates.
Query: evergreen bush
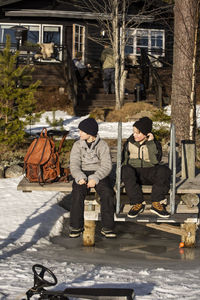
(17, 102)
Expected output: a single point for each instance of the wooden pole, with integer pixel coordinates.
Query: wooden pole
(89, 229)
(89, 233)
(189, 238)
(188, 159)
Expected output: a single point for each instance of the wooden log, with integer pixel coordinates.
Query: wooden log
(190, 200)
(189, 239)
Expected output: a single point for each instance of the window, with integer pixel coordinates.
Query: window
(51, 34)
(42, 33)
(152, 40)
(78, 40)
(6, 30)
(33, 33)
(156, 42)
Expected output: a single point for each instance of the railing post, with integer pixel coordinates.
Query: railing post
(172, 166)
(159, 96)
(188, 159)
(118, 168)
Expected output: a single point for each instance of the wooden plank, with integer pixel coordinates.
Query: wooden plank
(167, 228)
(146, 218)
(25, 185)
(152, 218)
(183, 187)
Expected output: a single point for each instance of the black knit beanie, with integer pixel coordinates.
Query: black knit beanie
(144, 125)
(89, 126)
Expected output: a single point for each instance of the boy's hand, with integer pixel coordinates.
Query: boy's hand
(150, 137)
(91, 183)
(82, 181)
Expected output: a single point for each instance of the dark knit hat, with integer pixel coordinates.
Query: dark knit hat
(89, 126)
(144, 125)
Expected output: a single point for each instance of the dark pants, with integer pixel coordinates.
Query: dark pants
(158, 177)
(109, 80)
(82, 73)
(106, 193)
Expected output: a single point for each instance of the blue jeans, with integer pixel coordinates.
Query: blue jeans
(109, 80)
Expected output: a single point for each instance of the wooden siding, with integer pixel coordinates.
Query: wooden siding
(49, 74)
(93, 50)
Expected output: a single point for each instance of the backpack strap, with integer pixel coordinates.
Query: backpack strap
(43, 132)
(61, 142)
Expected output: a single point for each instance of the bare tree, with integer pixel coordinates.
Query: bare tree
(184, 68)
(114, 18)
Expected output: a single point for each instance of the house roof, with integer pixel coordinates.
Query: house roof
(65, 14)
(7, 2)
(63, 9)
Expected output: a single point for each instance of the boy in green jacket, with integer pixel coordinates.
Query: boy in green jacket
(140, 158)
(90, 165)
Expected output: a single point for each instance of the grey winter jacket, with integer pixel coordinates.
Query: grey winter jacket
(97, 158)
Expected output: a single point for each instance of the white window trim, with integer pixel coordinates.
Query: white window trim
(40, 31)
(73, 41)
(134, 30)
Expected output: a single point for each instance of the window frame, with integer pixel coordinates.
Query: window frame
(134, 34)
(74, 50)
(41, 33)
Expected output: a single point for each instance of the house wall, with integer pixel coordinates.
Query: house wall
(93, 49)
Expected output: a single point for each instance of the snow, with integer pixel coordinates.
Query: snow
(28, 220)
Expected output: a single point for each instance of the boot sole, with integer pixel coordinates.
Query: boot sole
(74, 235)
(155, 212)
(130, 216)
(108, 236)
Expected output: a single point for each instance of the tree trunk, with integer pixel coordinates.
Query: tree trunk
(123, 72)
(116, 52)
(182, 98)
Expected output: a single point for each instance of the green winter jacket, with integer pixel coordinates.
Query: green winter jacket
(107, 59)
(145, 155)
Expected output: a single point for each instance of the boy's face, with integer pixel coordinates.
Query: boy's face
(138, 136)
(84, 135)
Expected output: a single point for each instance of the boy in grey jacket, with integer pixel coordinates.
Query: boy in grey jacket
(90, 165)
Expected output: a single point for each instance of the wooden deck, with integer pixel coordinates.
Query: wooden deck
(185, 216)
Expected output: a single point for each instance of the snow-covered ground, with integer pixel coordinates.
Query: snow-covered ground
(28, 220)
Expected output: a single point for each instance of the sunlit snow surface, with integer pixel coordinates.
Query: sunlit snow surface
(27, 220)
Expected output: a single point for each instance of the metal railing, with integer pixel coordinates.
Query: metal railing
(172, 166)
(118, 169)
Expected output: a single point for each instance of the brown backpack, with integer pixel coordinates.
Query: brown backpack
(41, 162)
